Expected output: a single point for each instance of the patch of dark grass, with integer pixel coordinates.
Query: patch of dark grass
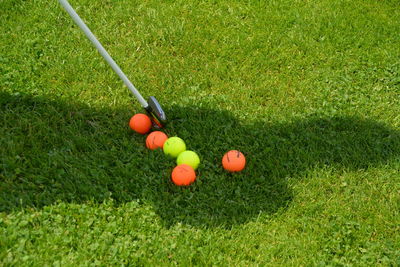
(54, 150)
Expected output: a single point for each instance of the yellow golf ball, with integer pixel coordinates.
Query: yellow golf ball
(189, 158)
(174, 146)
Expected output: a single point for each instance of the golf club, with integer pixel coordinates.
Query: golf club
(151, 106)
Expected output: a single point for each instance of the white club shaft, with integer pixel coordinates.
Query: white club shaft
(102, 51)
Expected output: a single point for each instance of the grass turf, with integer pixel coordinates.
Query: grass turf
(308, 91)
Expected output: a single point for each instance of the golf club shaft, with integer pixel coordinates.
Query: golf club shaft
(102, 51)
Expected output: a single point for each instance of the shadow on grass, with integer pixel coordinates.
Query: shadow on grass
(56, 151)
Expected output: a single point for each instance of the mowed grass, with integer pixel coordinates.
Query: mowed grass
(307, 90)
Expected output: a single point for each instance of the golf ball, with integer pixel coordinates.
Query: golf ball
(140, 123)
(174, 146)
(234, 161)
(156, 140)
(190, 158)
(183, 175)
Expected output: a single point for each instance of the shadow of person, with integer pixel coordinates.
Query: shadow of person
(57, 151)
(275, 153)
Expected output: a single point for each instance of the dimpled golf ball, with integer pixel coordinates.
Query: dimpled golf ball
(156, 140)
(140, 123)
(234, 161)
(189, 158)
(174, 146)
(183, 175)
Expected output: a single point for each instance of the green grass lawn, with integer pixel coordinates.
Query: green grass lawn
(309, 91)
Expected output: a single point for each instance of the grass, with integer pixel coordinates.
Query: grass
(307, 90)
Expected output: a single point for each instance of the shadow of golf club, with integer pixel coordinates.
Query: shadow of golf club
(57, 151)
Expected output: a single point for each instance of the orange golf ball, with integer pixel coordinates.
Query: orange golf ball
(156, 140)
(140, 123)
(183, 175)
(234, 161)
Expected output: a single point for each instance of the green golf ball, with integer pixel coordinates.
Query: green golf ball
(188, 157)
(174, 146)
